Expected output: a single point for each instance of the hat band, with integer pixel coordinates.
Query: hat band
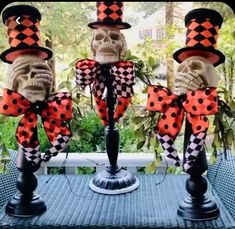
(202, 33)
(25, 33)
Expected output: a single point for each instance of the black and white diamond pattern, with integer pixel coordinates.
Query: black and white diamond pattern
(196, 143)
(98, 87)
(31, 154)
(58, 145)
(124, 80)
(85, 77)
(170, 151)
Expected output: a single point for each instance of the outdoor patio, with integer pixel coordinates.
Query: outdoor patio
(150, 206)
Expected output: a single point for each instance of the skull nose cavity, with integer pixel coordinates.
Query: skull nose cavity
(184, 68)
(106, 38)
(32, 74)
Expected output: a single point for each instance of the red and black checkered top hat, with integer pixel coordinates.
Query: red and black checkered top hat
(202, 32)
(109, 14)
(23, 22)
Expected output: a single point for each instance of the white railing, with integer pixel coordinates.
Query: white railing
(99, 161)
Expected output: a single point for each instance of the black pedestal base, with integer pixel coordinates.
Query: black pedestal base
(198, 209)
(114, 181)
(23, 207)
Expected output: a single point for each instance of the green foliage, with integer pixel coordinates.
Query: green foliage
(88, 134)
(5, 158)
(85, 170)
(145, 66)
(8, 127)
(128, 139)
(224, 132)
(144, 125)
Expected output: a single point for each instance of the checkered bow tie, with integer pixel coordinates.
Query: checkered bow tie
(196, 104)
(54, 112)
(90, 72)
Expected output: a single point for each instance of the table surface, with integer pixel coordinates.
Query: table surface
(150, 206)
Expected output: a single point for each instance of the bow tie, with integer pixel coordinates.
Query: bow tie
(122, 74)
(54, 112)
(196, 104)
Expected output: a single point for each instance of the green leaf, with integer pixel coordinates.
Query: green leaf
(232, 105)
(145, 90)
(65, 84)
(5, 158)
(150, 168)
(140, 144)
(138, 119)
(3, 119)
(212, 160)
(151, 62)
(217, 142)
(229, 138)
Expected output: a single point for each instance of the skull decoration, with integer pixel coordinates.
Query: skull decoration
(31, 77)
(193, 73)
(108, 45)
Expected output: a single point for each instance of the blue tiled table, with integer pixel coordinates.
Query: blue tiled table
(149, 206)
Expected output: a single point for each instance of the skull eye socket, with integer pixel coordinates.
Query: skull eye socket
(26, 69)
(196, 65)
(114, 36)
(99, 37)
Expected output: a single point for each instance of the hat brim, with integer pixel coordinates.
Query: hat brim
(214, 56)
(119, 25)
(11, 54)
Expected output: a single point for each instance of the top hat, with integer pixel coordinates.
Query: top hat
(22, 23)
(109, 14)
(202, 33)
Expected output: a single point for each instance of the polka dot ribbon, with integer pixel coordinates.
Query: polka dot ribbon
(90, 72)
(196, 104)
(54, 112)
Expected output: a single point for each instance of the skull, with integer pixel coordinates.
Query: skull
(193, 73)
(31, 77)
(108, 45)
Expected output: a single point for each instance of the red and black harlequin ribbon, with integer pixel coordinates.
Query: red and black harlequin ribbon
(196, 104)
(54, 112)
(89, 72)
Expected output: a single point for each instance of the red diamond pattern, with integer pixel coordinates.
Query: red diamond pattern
(201, 33)
(24, 34)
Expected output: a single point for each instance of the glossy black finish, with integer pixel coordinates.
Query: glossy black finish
(113, 179)
(197, 206)
(26, 203)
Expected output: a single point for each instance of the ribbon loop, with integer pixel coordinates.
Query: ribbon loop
(196, 104)
(55, 110)
(122, 77)
(86, 71)
(201, 102)
(159, 98)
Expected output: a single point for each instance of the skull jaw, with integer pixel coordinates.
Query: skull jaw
(34, 95)
(106, 58)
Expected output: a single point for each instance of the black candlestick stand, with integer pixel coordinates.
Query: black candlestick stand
(26, 203)
(197, 206)
(113, 180)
